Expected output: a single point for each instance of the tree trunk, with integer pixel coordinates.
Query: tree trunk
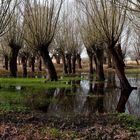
(79, 61)
(24, 66)
(91, 70)
(137, 61)
(65, 71)
(119, 67)
(73, 64)
(33, 64)
(13, 61)
(90, 55)
(6, 61)
(109, 61)
(68, 56)
(39, 64)
(52, 75)
(99, 64)
(57, 58)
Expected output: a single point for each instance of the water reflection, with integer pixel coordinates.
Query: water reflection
(94, 100)
(91, 97)
(125, 93)
(86, 97)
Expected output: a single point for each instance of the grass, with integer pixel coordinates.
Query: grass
(33, 91)
(55, 133)
(21, 101)
(127, 120)
(12, 101)
(7, 107)
(32, 82)
(132, 71)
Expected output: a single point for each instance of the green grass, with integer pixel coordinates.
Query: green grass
(7, 107)
(12, 101)
(32, 82)
(132, 71)
(37, 83)
(35, 92)
(55, 133)
(22, 100)
(127, 120)
(70, 78)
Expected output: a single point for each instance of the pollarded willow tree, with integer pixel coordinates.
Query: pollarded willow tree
(94, 46)
(109, 17)
(15, 40)
(41, 19)
(135, 52)
(68, 45)
(7, 8)
(134, 9)
(6, 11)
(68, 40)
(24, 55)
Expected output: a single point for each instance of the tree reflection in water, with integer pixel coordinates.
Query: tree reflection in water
(95, 98)
(125, 93)
(87, 97)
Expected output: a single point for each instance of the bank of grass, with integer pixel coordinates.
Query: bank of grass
(40, 83)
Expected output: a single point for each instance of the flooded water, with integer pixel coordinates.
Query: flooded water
(92, 97)
(86, 97)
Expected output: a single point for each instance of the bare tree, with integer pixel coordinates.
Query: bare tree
(15, 40)
(68, 40)
(94, 45)
(41, 19)
(24, 55)
(134, 9)
(6, 11)
(109, 17)
(135, 51)
(68, 45)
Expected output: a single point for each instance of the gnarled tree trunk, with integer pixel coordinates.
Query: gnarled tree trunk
(137, 61)
(52, 75)
(109, 61)
(6, 59)
(74, 64)
(13, 60)
(99, 64)
(90, 55)
(24, 65)
(119, 67)
(79, 61)
(32, 65)
(68, 57)
(65, 71)
(39, 64)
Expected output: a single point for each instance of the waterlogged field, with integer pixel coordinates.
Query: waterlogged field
(75, 107)
(79, 95)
